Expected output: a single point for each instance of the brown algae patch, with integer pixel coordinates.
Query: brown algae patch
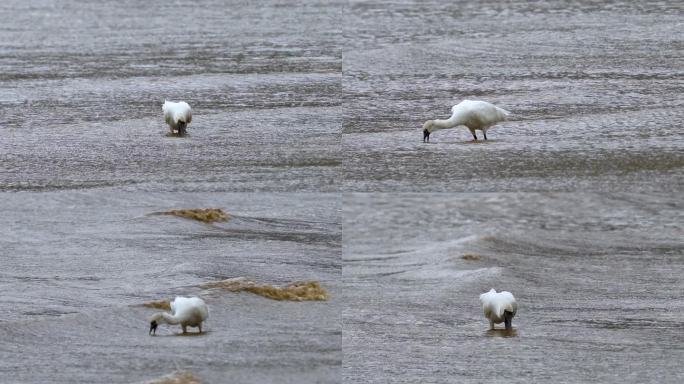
(159, 304)
(176, 378)
(208, 215)
(297, 291)
(471, 257)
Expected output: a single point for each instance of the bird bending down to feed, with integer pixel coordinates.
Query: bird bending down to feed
(186, 311)
(474, 114)
(499, 307)
(177, 115)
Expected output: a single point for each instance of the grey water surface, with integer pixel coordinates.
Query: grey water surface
(82, 84)
(77, 267)
(595, 89)
(86, 159)
(597, 277)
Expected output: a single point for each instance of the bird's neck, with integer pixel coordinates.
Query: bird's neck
(169, 318)
(442, 124)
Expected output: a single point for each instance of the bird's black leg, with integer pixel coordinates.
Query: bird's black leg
(485, 134)
(474, 136)
(508, 319)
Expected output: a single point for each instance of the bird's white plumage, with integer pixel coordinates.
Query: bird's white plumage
(478, 114)
(190, 310)
(494, 304)
(474, 114)
(177, 115)
(186, 311)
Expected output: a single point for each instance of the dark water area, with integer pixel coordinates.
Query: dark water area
(594, 88)
(597, 278)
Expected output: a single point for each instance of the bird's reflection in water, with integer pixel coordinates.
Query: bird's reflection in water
(502, 333)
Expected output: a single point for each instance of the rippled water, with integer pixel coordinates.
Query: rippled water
(83, 84)
(294, 102)
(598, 280)
(78, 265)
(595, 90)
(87, 159)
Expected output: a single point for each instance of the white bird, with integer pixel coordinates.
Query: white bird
(474, 114)
(499, 307)
(177, 115)
(186, 311)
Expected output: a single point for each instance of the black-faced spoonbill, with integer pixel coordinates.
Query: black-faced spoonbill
(499, 307)
(177, 116)
(186, 311)
(474, 114)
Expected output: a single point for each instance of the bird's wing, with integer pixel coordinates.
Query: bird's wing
(487, 113)
(462, 108)
(181, 108)
(487, 300)
(202, 308)
(181, 304)
(197, 308)
(509, 301)
(188, 115)
(168, 112)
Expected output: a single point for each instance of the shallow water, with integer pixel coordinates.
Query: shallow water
(77, 266)
(598, 280)
(87, 159)
(82, 84)
(295, 101)
(595, 91)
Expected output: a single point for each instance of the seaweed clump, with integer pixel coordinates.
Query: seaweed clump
(297, 291)
(159, 304)
(208, 215)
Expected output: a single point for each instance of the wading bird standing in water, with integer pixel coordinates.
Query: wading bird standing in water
(186, 311)
(474, 114)
(499, 307)
(177, 115)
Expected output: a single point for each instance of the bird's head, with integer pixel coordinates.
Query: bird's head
(154, 322)
(427, 129)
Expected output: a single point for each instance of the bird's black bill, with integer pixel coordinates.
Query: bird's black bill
(508, 319)
(426, 135)
(153, 327)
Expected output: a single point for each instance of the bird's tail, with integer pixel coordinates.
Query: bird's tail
(504, 112)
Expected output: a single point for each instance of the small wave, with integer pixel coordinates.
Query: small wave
(47, 312)
(182, 377)
(208, 215)
(297, 291)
